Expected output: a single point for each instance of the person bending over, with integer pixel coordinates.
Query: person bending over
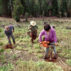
(49, 35)
(9, 33)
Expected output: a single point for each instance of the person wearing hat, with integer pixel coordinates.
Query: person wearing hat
(33, 31)
(9, 33)
(50, 36)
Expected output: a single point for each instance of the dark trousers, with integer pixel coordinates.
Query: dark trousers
(33, 37)
(9, 38)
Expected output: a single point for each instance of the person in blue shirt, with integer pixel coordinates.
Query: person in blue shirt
(9, 33)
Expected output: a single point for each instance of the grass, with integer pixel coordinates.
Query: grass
(36, 66)
(1, 44)
(8, 67)
(23, 43)
(68, 61)
(40, 56)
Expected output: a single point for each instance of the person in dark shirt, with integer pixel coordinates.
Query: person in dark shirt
(33, 30)
(9, 33)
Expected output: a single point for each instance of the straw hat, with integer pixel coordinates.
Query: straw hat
(33, 23)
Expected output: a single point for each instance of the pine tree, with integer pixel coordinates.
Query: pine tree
(64, 7)
(69, 8)
(17, 10)
(5, 7)
(55, 7)
(1, 8)
(10, 7)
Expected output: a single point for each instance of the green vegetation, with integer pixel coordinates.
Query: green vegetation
(25, 51)
(7, 67)
(18, 10)
(37, 66)
(68, 61)
(35, 8)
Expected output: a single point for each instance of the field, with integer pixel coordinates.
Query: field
(25, 57)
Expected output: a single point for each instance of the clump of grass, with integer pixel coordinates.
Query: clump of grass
(18, 47)
(67, 56)
(26, 39)
(36, 66)
(2, 58)
(38, 50)
(68, 61)
(2, 34)
(1, 43)
(40, 56)
(2, 50)
(36, 46)
(0, 30)
(8, 67)
(26, 49)
(30, 51)
(14, 56)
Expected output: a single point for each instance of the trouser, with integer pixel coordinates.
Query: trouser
(54, 49)
(33, 36)
(9, 38)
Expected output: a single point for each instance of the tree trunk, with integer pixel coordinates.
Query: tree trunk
(5, 7)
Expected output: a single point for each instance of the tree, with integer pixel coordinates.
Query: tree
(64, 7)
(17, 10)
(49, 7)
(40, 6)
(55, 7)
(1, 8)
(5, 7)
(35, 8)
(69, 8)
(10, 7)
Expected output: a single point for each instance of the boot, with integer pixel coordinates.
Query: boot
(55, 56)
(46, 57)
